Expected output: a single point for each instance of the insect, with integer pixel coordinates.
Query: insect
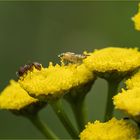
(23, 69)
(70, 57)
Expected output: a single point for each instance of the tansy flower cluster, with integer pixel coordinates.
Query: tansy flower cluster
(13, 97)
(51, 84)
(55, 81)
(71, 80)
(37, 86)
(111, 130)
(128, 100)
(109, 64)
(113, 59)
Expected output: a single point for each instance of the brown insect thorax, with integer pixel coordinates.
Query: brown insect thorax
(28, 67)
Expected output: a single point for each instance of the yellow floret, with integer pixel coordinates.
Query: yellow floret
(81, 75)
(113, 59)
(128, 101)
(111, 130)
(14, 97)
(134, 81)
(55, 80)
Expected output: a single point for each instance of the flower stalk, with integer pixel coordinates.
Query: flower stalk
(79, 110)
(58, 109)
(76, 99)
(112, 90)
(43, 128)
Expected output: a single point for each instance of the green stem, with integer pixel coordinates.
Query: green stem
(42, 127)
(57, 107)
(112, 90)
(80, 113)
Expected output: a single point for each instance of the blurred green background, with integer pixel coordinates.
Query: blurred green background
(39, 31)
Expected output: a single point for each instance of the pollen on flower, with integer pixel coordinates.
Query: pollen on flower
(134, 81)
(14, 97)
(112, 130)
(54, 81)
(128, 101)
(113, 59)
(81, 75)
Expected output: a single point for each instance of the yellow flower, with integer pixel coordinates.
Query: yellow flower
(136, 20)
(54, 81)
(134, 81)
(13, 97)
(111, 130)
(128, 101)
(113, 59)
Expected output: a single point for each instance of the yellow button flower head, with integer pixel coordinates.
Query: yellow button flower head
(134, 81)
(113, 60)
(136, 20)
(128, 101)
(13, 97)
(54, 81)
(111, 130)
